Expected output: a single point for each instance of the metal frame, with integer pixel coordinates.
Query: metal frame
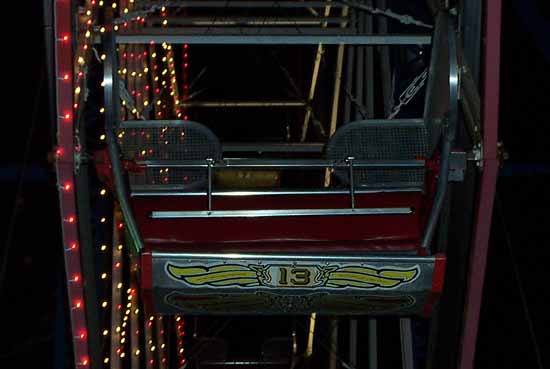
(64, 165)
(478, 256)
(111, 118)
(448, 135)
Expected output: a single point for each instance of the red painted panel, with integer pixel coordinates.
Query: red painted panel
(376, 232)
(439, 273)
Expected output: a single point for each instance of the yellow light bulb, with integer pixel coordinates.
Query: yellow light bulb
(103, 275)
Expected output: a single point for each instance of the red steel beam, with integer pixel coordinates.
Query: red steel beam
(480, 245)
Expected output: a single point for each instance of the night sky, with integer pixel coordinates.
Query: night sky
(32, 284)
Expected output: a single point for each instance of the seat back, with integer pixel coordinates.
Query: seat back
(174, 141)
(373, 140)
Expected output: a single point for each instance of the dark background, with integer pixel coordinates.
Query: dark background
(32, 288)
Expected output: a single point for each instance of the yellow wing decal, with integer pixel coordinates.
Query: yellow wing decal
(218, 275)
(365, 277)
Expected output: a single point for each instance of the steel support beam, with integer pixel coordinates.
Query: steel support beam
(293, 37)
(407, 354)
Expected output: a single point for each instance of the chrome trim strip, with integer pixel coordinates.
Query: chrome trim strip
(277, 213)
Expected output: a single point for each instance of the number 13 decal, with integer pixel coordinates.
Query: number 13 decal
(298, 276)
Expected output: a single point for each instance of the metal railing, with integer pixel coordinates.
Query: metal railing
(350, 163)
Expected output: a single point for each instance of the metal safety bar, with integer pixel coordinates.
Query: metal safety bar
(251, 21)
(265, 213)
(281, 163)
(210, 165)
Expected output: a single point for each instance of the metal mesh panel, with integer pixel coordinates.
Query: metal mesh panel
(374, 141)
(185, 141)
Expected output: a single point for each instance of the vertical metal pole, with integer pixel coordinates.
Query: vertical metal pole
(333, 343)
(369, 70)
(373, 344)
(311, 335)
(360, 67)
(348, 116)
(407, 355)
(314, 77)
(353, 343)
(351, 181)
(335, 99)
(210, 164)
(384, 53)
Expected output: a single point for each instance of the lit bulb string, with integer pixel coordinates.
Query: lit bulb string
(135, 328)
(180, 334)
(116, 295)
(64, 169)
(150, 348)
(185, 78)
(82, 52)
(171, 76)
(138, 77)
(160, 333)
